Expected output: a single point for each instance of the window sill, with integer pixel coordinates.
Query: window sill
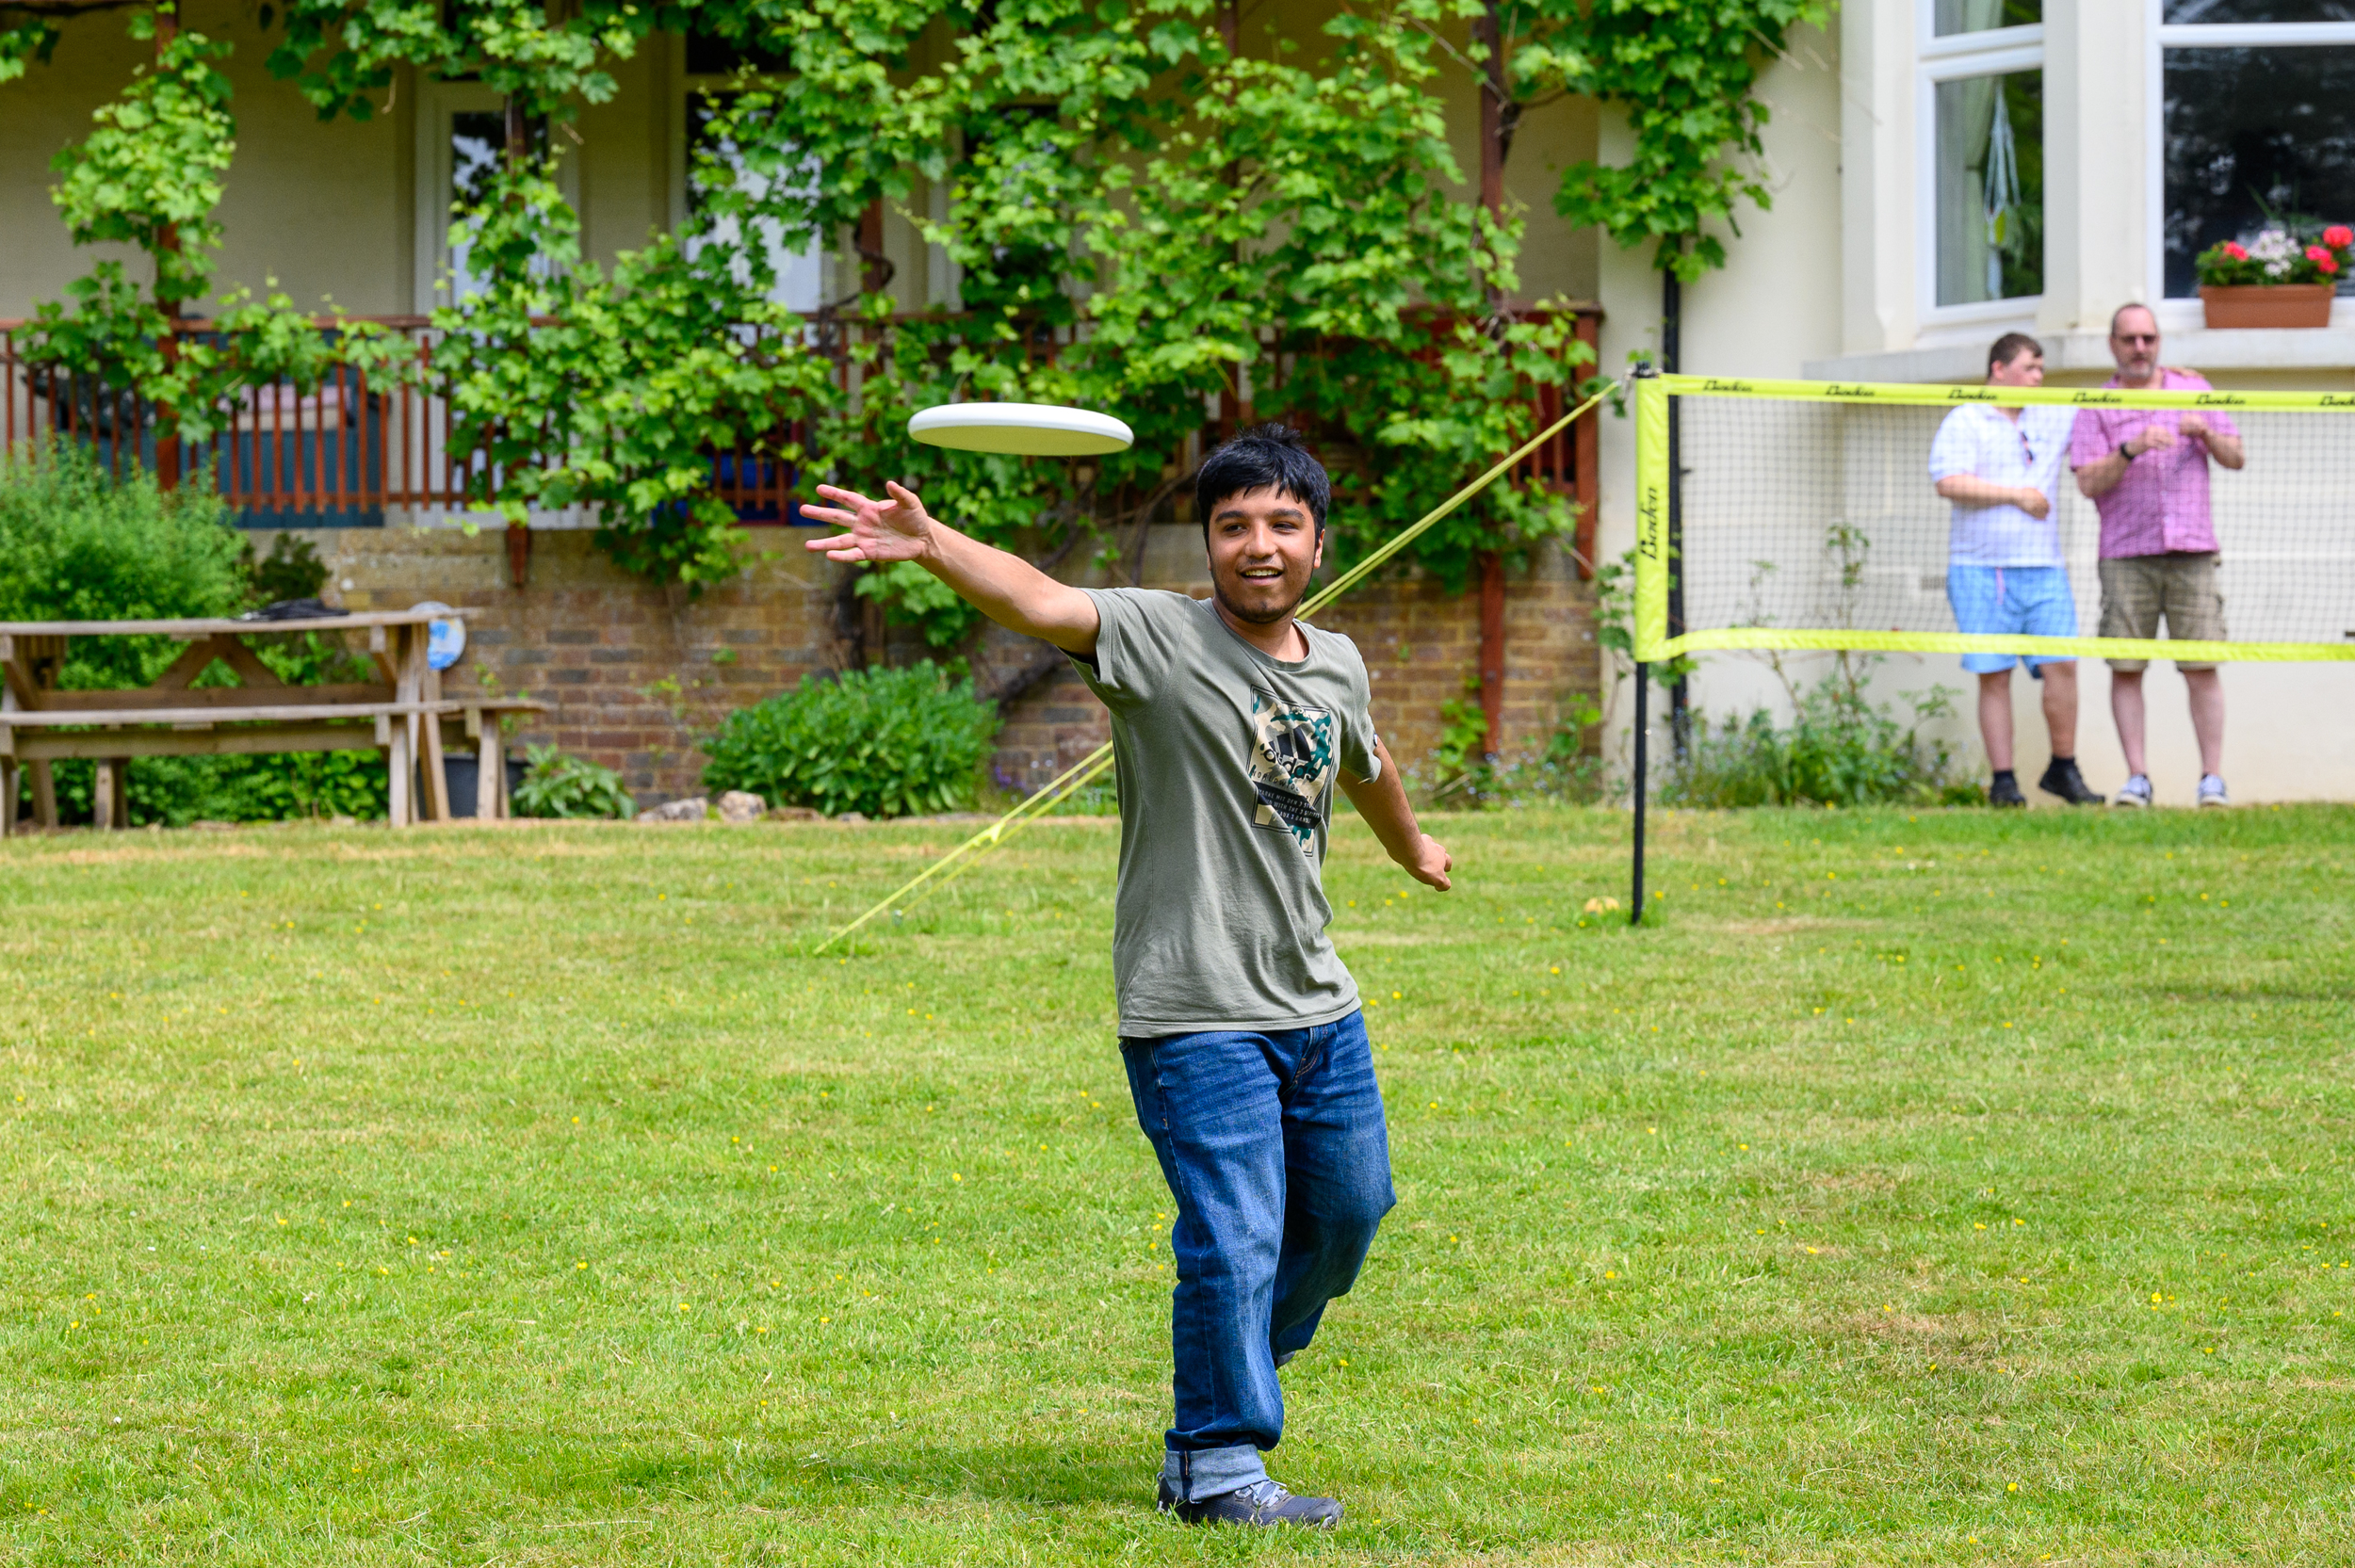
(2075, 354)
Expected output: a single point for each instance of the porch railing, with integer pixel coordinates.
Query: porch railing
(348, 451)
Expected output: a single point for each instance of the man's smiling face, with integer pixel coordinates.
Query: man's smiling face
(1264, 545)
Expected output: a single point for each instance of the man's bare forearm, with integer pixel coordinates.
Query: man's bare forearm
(1010, 591)
(1382, 802)
(1971, 491)
(2101, 476)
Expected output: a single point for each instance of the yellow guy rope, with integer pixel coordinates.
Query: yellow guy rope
(1092, 765)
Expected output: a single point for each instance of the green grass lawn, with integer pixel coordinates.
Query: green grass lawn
(1937, 1188)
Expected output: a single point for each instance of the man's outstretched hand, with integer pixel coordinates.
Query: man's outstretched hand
(895, 529)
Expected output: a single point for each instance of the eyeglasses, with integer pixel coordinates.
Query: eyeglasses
(2147, 340)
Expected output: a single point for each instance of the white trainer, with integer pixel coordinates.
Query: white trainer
(2136, 791)
(2212, 790)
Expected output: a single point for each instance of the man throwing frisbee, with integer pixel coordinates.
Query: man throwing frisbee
(1239, 1028)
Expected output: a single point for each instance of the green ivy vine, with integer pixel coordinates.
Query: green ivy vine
(1146, 213)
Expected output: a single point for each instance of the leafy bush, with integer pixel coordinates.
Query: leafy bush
(883, 742)
(1563, 772)
(560, 785)
(77, 543)
(1839, 750)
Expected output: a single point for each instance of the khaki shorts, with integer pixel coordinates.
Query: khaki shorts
(2138, 591)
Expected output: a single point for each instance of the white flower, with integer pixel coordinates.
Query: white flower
(2276, 252)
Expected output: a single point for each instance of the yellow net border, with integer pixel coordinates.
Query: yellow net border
(1653, 644)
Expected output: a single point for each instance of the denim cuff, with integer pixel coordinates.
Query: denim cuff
(1200, 1473)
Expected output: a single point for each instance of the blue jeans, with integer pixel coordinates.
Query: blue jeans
(1276, 1150)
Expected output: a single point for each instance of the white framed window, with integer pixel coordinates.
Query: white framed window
(1979, 142)
(703, 78)
(462, 135)
(2248, 125)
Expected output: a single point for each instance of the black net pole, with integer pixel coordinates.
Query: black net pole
(1671, 353)
(1643, 720)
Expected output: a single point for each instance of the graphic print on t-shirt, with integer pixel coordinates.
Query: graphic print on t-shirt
(1291, 759)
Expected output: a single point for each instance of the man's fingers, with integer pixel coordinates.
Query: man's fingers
(902, 494)
(842, 548)
(830, 514)
(834, 492)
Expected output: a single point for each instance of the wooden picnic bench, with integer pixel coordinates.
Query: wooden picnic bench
(401, 713)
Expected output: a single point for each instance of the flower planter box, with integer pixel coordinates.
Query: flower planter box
(2268, 305)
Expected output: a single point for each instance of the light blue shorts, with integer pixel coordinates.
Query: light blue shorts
(2011, 601)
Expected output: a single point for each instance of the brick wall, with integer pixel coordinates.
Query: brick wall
(639, 675)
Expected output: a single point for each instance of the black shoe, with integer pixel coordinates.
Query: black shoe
(2005, 791)
(2062, 779)
(1263, 1503)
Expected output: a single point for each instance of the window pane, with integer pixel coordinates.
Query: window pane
(1990, 187)
(478, 147)
(2193, 11)
(799, 278)
(1949, 16)
(709, 56)
(2253, 134)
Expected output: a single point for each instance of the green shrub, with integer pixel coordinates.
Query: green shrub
(76, 544)
(883, 742)
(1838, 749)
(1561, 772)
(560, 785)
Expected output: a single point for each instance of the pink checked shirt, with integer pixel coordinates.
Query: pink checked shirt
(2162, 503)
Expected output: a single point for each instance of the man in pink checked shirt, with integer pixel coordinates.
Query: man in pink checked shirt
(2146, 471)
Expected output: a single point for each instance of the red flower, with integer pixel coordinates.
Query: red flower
(2234, 250)
(2325, 265)
(2338, 236)
(2316, 254)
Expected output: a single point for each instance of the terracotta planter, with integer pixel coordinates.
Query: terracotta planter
(2268, 304)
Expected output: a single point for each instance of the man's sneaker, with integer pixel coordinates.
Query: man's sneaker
(2005, 791)
(2062, 779)
(2212, 791)
(1261, 1503)
(2134, 792)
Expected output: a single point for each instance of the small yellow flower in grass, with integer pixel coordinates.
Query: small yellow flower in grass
(682, 1306)
(1814, 1248)
(1610, 1273)
(954, 1176)
(2013, 1487)
(1976, 1227)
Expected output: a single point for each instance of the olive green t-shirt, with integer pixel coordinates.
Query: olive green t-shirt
(1226, 760)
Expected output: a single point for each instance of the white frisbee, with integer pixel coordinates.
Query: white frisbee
(1027, 429)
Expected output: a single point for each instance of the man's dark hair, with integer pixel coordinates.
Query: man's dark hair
(1270, 457)
(2010, 347)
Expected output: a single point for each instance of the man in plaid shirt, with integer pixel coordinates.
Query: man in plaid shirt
(2146, 471)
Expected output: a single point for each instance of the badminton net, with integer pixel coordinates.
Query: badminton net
(1805, 517)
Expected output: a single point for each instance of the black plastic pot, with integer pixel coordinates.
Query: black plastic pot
(463, 772)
